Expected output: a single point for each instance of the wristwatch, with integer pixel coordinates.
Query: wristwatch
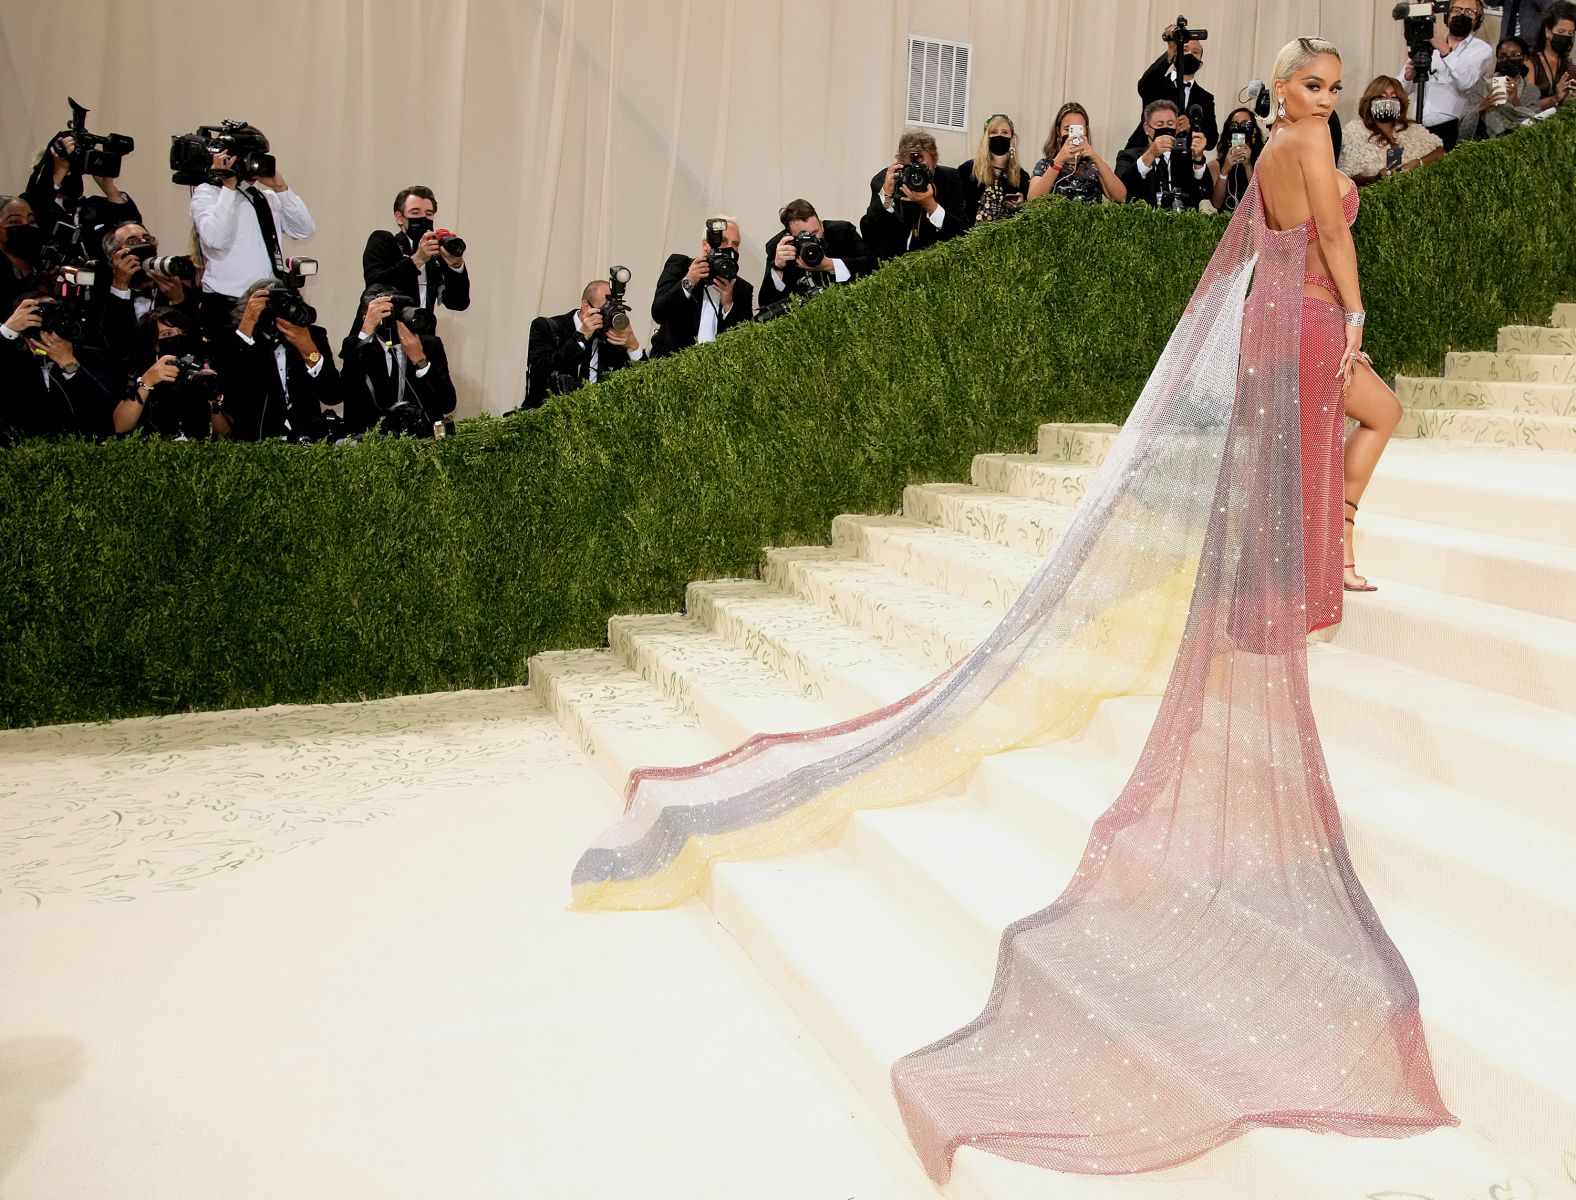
(313, 359)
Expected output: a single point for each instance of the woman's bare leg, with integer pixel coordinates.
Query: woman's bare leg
(1371, 403)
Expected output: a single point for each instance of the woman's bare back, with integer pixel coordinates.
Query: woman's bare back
(1284, 194)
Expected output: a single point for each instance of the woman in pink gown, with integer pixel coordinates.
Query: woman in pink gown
(1214, 965)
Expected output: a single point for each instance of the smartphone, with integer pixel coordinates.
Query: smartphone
(1238, 140)
(1075, 134)
(1392, 158)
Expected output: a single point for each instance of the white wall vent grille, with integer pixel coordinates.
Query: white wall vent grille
(938, 83)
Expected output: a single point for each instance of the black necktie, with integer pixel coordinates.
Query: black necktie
(265, 222)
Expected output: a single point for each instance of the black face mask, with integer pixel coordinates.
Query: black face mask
(1000, 143)
(178, 344)
(1460, 26)
(1191, 63)
(1511, 68)
(1561, 43)
(416, 228)
(25, 241)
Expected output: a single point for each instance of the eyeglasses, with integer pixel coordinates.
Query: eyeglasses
(1462, 12)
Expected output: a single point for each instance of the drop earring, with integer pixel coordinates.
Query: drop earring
(1280, 112)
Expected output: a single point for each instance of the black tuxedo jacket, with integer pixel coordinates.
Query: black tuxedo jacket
(31, 406)
(371, 382)
(842, 241)
(679, 317)
(1145, 189)
(887, 233)
(257, 404)
(555, 348)
(1154, 84)
(386, 260)
(116, 321)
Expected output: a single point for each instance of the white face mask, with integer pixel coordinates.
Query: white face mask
(1385, 110)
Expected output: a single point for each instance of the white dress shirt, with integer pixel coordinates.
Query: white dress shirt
(232, 241)
(141, 302)
(1453, 80)
(712, 310)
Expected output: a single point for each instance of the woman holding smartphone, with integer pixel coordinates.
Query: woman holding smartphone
(1382, 141)
(1072, 167)
(1236, 154)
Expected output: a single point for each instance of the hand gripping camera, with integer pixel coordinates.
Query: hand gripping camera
(92, 153)
(915, 175)
(722, 261)
(615, 312)
(417, 228)
(808, 248)
(191, 154)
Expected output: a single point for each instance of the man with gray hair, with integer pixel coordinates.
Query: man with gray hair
(915, 202)
(698, 298)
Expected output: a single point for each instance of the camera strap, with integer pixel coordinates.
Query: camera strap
(270, 232)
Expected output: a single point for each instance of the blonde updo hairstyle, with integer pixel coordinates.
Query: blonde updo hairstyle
(1297, 54)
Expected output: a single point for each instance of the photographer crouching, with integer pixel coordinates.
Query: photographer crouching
(582, 346)
(418, 260)
(275, 366)
(809, 255)
(396, 370)
(176, 391)
(699, 298)
(49, 386)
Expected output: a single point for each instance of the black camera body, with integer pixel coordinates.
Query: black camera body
(614, 310)
(284, 304)
(191, 154)
(1418, 26)
(417, 228)
(915, 175)
(809, 248)
(407, 311)
(58, 317)
(721, 261)
(196, 379)
(92, 153)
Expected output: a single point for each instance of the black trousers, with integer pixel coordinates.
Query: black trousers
(1446, 131)
(216, 315)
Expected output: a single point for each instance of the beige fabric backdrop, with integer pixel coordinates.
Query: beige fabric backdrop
(561, 136)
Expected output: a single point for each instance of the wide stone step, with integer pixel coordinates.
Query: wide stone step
(618, 720)
(932, 627)
(811, 925)
(1074, 443)
(1027, 526)
(1512, 368)
(1532, 576)
(1506, 650)
(989, 575)
(1537, 339)
(1488, 489)
(1518, 431)
(1538, 399)
(961, 874)
(728, 692)
(1032, 477)
(1564, 316)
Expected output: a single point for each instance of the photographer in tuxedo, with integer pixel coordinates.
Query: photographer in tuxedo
(698, 298)
(48, 386)
(276, 366)
(239, 222)
(395, 373)
(810, 253)
(914, 203)
(137, 287)
(1159, 82)
(418, 260)
(1171, 171)
(577, 348)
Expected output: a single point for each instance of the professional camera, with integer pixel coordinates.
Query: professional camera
(59, 318)
(92, 153)
(284, 304)
(191, 154)
(722, 261)
(196, 379)
(418, 227)
(177, 266)
(915, 175)
(809, 248)
(805, 288)
(615, 312)
(1418, 30)
(406, 311)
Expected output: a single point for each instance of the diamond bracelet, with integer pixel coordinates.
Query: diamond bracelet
(1356, 317)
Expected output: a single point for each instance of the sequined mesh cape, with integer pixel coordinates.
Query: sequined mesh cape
(1214, 965)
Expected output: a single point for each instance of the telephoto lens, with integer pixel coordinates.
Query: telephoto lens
(177, 266)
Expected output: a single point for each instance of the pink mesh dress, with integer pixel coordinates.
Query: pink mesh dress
(1214, 965)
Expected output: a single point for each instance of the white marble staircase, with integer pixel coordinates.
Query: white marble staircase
(1447, 706)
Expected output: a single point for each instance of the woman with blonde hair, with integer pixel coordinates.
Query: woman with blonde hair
(993, 181)
(1214, 965)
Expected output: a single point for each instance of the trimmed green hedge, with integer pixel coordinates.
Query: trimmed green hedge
(147, 576)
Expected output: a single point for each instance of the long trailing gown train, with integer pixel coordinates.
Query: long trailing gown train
(1214, 965)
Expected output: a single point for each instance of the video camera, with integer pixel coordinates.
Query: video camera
(1418, 30)
(91, 153)
(191, 154)
(722, 261)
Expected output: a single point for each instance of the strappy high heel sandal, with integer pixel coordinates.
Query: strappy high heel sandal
(1365, 586)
